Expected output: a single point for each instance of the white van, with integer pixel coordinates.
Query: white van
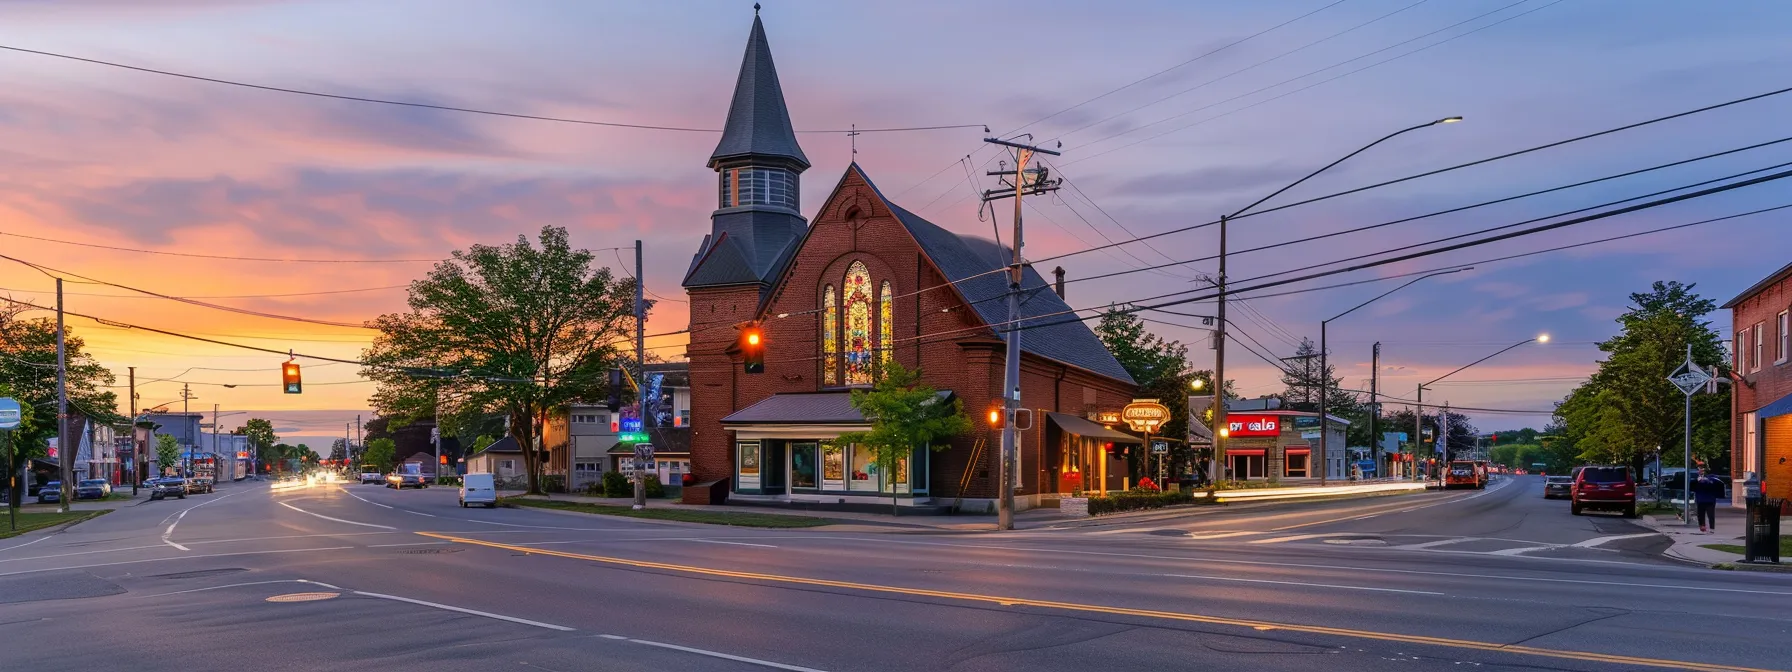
(478, 489)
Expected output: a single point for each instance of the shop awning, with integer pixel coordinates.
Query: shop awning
(1087, 429)
(1303, 450)
(1782, 406)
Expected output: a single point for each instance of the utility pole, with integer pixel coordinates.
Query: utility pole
(1418, 429)
(215, 465)
(359, 438)
(65, 458)
(136, 450)
(1011, 369)
(186, 430)
(1375, 408)
(640, 380)
(1220, 427)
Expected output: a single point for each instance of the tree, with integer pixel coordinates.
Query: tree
(905, 415)
(167, 452)
(1161, 369)
(28, 367)
(381, 452)
(261, 438)
(516, 330)
(14, 443)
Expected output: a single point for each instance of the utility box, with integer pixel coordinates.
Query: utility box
(1762, 544)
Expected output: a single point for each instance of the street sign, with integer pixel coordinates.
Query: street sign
(1160, 446)
(1144, 415)
(644, 452)
(1689, 377)
(10, 414)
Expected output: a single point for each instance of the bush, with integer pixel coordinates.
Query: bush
(655, 489)
(1137, 500)
(617, 485)
(1246, 485)
(553, 483)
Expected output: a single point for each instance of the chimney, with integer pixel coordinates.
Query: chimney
(1058, 281)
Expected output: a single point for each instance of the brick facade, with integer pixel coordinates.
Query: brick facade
(934, 330)
(1760, 383)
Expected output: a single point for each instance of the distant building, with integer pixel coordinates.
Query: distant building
(1761, 398)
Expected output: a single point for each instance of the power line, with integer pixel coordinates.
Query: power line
(444, 108)
(226, 296)
(194, 302)
(215, 256)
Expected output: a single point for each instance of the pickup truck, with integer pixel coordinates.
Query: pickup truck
(369, 474)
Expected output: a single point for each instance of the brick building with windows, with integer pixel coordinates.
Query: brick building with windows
(1761, 398)
(868, 282)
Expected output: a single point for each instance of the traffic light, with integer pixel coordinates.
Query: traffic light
(444, 459)
(997, 417)
(615, 402)
(752, 348)
(289, 377)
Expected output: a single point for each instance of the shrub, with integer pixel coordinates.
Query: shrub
(617, 485)
(1246, 485)
(1137, 500)
(655, 489)
(553, 483)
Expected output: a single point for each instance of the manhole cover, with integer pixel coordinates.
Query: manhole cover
(302, 597)
(431, 551)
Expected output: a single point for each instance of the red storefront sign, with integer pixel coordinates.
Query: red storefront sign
(1254, 425)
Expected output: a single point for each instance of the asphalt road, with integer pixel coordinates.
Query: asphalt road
(350, 576)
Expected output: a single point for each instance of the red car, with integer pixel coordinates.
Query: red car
(1604, 487)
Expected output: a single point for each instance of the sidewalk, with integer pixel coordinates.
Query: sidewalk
(1689, 543)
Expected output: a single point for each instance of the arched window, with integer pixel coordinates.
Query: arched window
(830, 338)
(886, 325)
(859, 341)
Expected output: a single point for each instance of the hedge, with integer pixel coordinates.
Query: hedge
(1137, 500)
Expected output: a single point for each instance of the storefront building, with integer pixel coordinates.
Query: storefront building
(1761, 393)
(1283, 446)
(865, 284)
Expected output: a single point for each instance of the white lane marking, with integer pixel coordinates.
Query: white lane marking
(730, 543)
(614, 637)
(726, 656)
(64, 555)
(1521, 550)
(418, 543)
(465, 610)
(1301, 537)
(1440, 542)
(346, 492)
(166, 534)
(1299, 583)
(1347, 519)
(178, 557)
(1600, 541)
(1380, 570)
(339, 520)
(415, 513)
(291, 536)
(232, 585)
(1203, 536)
(1128, 529)
(28, 543)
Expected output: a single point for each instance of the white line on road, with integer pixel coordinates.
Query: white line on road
(339, 520)
(1299, 583)
(1128, 529)
(176, 557)
(726, 656)
(416, 513)
(230, 585)
(1440, 542)
(346, 492)
(1600, 541)
(1204, 536)
(1301, 537)
(464, 610)
(730, 543)
(28, 543)
(183, 514)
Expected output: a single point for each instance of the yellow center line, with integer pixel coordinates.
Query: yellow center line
(1118, 611)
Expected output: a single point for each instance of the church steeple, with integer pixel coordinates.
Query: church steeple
(757, 223)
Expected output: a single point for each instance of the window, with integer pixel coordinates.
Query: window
(1785, 337)
(833, 467)
(585, 467)
(583, 419)
(506, 465)
(684, 418)
(864, 470)
(1296, 465)
(858, 338)
(1741, 352)
(830, 338)
(886, 327)
(1749, 447)
(758, 186)
(1755, 363)
(802, 465)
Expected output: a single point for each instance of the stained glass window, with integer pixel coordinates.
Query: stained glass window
(859, 344)
(830, 338)
(886, 325)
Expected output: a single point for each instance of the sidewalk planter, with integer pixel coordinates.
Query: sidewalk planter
(1075, 507)
(1136, 501)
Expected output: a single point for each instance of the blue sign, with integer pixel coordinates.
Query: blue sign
(10, 414)
(631, 424)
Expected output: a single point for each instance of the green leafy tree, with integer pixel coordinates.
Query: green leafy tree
(905, 415)
(516, 330)
(381, 452)
(28, 368)
(14, 442)
(261, 438)
(167, 452)
(1162, 371)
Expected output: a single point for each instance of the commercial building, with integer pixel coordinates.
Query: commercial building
(1283, 445)
(1761, 397)
(867, 282)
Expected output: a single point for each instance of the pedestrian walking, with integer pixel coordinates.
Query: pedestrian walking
(1705, 492)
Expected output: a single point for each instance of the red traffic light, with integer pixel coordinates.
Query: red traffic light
(997, 417)
(752, 348)
(289, 378)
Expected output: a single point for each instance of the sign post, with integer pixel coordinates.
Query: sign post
(1145, 416)
(1689, 378)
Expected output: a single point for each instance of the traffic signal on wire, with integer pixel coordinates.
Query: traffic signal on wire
(289, 377)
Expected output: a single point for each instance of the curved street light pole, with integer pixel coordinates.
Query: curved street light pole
(1325, 379)
(1219, 334)
(1418, 414)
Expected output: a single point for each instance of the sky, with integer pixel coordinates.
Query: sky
(1227, 102)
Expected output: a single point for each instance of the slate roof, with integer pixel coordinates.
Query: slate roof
(805, 408)
(1757, 288)
(758, 122)
(506, 445)
(961, 257)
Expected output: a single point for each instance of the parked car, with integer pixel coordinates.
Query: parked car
(49, 492)
(199, 486)
(171, 486)
(1604, 487)
(92, 488)
(402, 481)
(1675, 483)
(478, 489)
(1558, 487)
(371, 474)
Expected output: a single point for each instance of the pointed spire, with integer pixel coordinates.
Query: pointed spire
(758, 122)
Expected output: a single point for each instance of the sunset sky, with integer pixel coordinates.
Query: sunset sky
(106, 156)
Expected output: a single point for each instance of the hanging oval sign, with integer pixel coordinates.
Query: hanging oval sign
(1145, 415)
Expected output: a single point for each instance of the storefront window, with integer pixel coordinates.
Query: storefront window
(833, 467)
(1246, 466)
(746, 455)
(864, 470)
(1297, 465)
(802, 465)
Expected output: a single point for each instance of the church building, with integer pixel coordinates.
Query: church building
(863, 283)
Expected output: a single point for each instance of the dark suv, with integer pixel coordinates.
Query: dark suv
(1604, 487)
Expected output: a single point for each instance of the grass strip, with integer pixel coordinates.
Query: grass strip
(38, 521)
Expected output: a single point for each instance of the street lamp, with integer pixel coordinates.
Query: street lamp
(1418, 423)
(1219, 339)
(1325, 378)
(1197, 384)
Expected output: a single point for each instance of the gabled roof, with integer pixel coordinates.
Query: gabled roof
(506, 445)
(967, 260)
(758, 122)
(1769, 281)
